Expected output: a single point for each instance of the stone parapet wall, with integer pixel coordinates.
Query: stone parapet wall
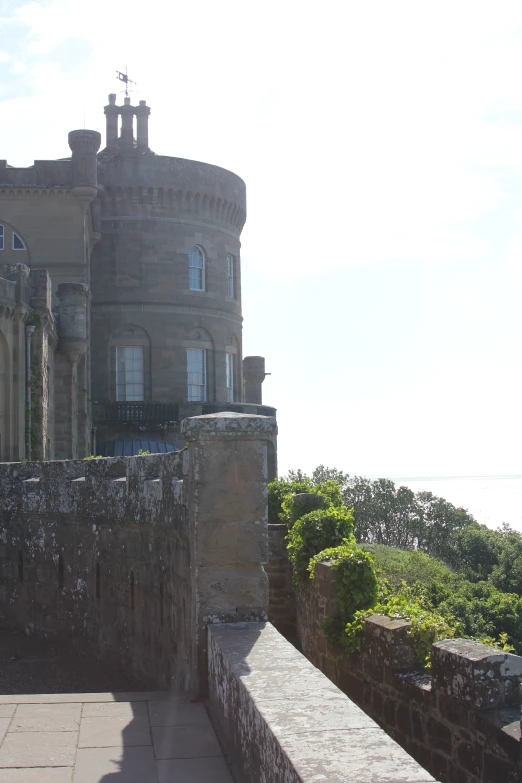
(460, 720)
(134, 556)
(282, 720)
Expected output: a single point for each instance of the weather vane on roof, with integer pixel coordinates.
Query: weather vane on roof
(123, 77)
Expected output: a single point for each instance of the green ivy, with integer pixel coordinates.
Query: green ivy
(355, 578)
(427, 626)
(316, 531)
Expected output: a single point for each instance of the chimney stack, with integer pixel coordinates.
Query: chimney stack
(111, 113)
(142, 126)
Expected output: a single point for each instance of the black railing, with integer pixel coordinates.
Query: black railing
(157, 413)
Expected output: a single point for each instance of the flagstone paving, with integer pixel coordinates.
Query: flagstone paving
(136, 737)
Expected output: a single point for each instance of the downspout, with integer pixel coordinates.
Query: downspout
(28, 378)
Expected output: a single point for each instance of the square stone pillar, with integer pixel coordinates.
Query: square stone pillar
(226, 476)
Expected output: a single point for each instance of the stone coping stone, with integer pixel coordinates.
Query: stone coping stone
(229, 424)
(284, 720)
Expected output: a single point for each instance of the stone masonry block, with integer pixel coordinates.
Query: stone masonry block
(473, 672)
(386, 643)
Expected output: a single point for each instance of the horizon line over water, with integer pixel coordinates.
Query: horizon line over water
(493, 477)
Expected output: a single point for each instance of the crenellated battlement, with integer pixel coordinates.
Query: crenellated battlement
(126, 554)
(460, 719)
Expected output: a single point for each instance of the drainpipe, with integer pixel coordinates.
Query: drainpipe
(28, 377)
(94, 441)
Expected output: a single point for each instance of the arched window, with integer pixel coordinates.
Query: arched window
(196, 269)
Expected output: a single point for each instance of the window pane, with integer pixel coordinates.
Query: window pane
(130, 380)
(196, 268)
(196, 375)
(230, 273)
(17, 242)
(230, 376)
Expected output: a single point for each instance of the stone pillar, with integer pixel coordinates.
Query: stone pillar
(225, 471)
(253, 376)
(305, 502)
(112, 113)
(126, 141)
(142, 126)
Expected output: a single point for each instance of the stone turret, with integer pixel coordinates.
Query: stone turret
(84, 145)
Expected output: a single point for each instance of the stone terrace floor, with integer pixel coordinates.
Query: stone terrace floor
(88, 737)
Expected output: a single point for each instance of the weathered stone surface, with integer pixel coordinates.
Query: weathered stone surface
(446, 716)
(283, 720)
(137, 554)
(229, 425)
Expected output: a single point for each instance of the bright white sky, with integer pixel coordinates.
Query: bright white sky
(381, 144)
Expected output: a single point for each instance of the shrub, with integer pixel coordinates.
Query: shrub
(355, 578)
(427, 626)
(315, 532)
(280, 489)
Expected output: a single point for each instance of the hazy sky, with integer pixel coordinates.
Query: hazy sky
(381, 144)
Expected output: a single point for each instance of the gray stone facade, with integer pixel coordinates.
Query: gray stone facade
(143, 255)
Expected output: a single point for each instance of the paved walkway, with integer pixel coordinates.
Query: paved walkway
(108, 738)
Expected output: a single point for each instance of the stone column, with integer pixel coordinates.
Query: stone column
(253, 376)
(225, 476)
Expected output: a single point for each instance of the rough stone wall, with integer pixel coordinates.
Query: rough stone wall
(136, 555)
(461, 720)
(281, 605)
(100, 550)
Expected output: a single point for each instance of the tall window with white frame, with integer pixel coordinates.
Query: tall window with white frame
(196, 375)
(130, 375)
(196, 269)
(231, 276)
(230, 376)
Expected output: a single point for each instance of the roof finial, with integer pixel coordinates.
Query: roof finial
(124, 77)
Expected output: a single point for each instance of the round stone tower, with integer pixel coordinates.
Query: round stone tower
(166, 283)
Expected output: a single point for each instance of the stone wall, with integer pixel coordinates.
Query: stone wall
(281, 605)
(282, 720)
(460, 720)
(136, 555)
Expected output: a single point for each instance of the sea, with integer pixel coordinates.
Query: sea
(492, 500)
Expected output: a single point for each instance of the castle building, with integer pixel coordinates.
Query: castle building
(120, 297)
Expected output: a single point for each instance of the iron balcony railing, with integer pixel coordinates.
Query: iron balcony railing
(158, 413)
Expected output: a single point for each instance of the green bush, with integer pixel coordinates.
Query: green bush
(427, 625)
(280, 489)
(355, 578)
(315, 532)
